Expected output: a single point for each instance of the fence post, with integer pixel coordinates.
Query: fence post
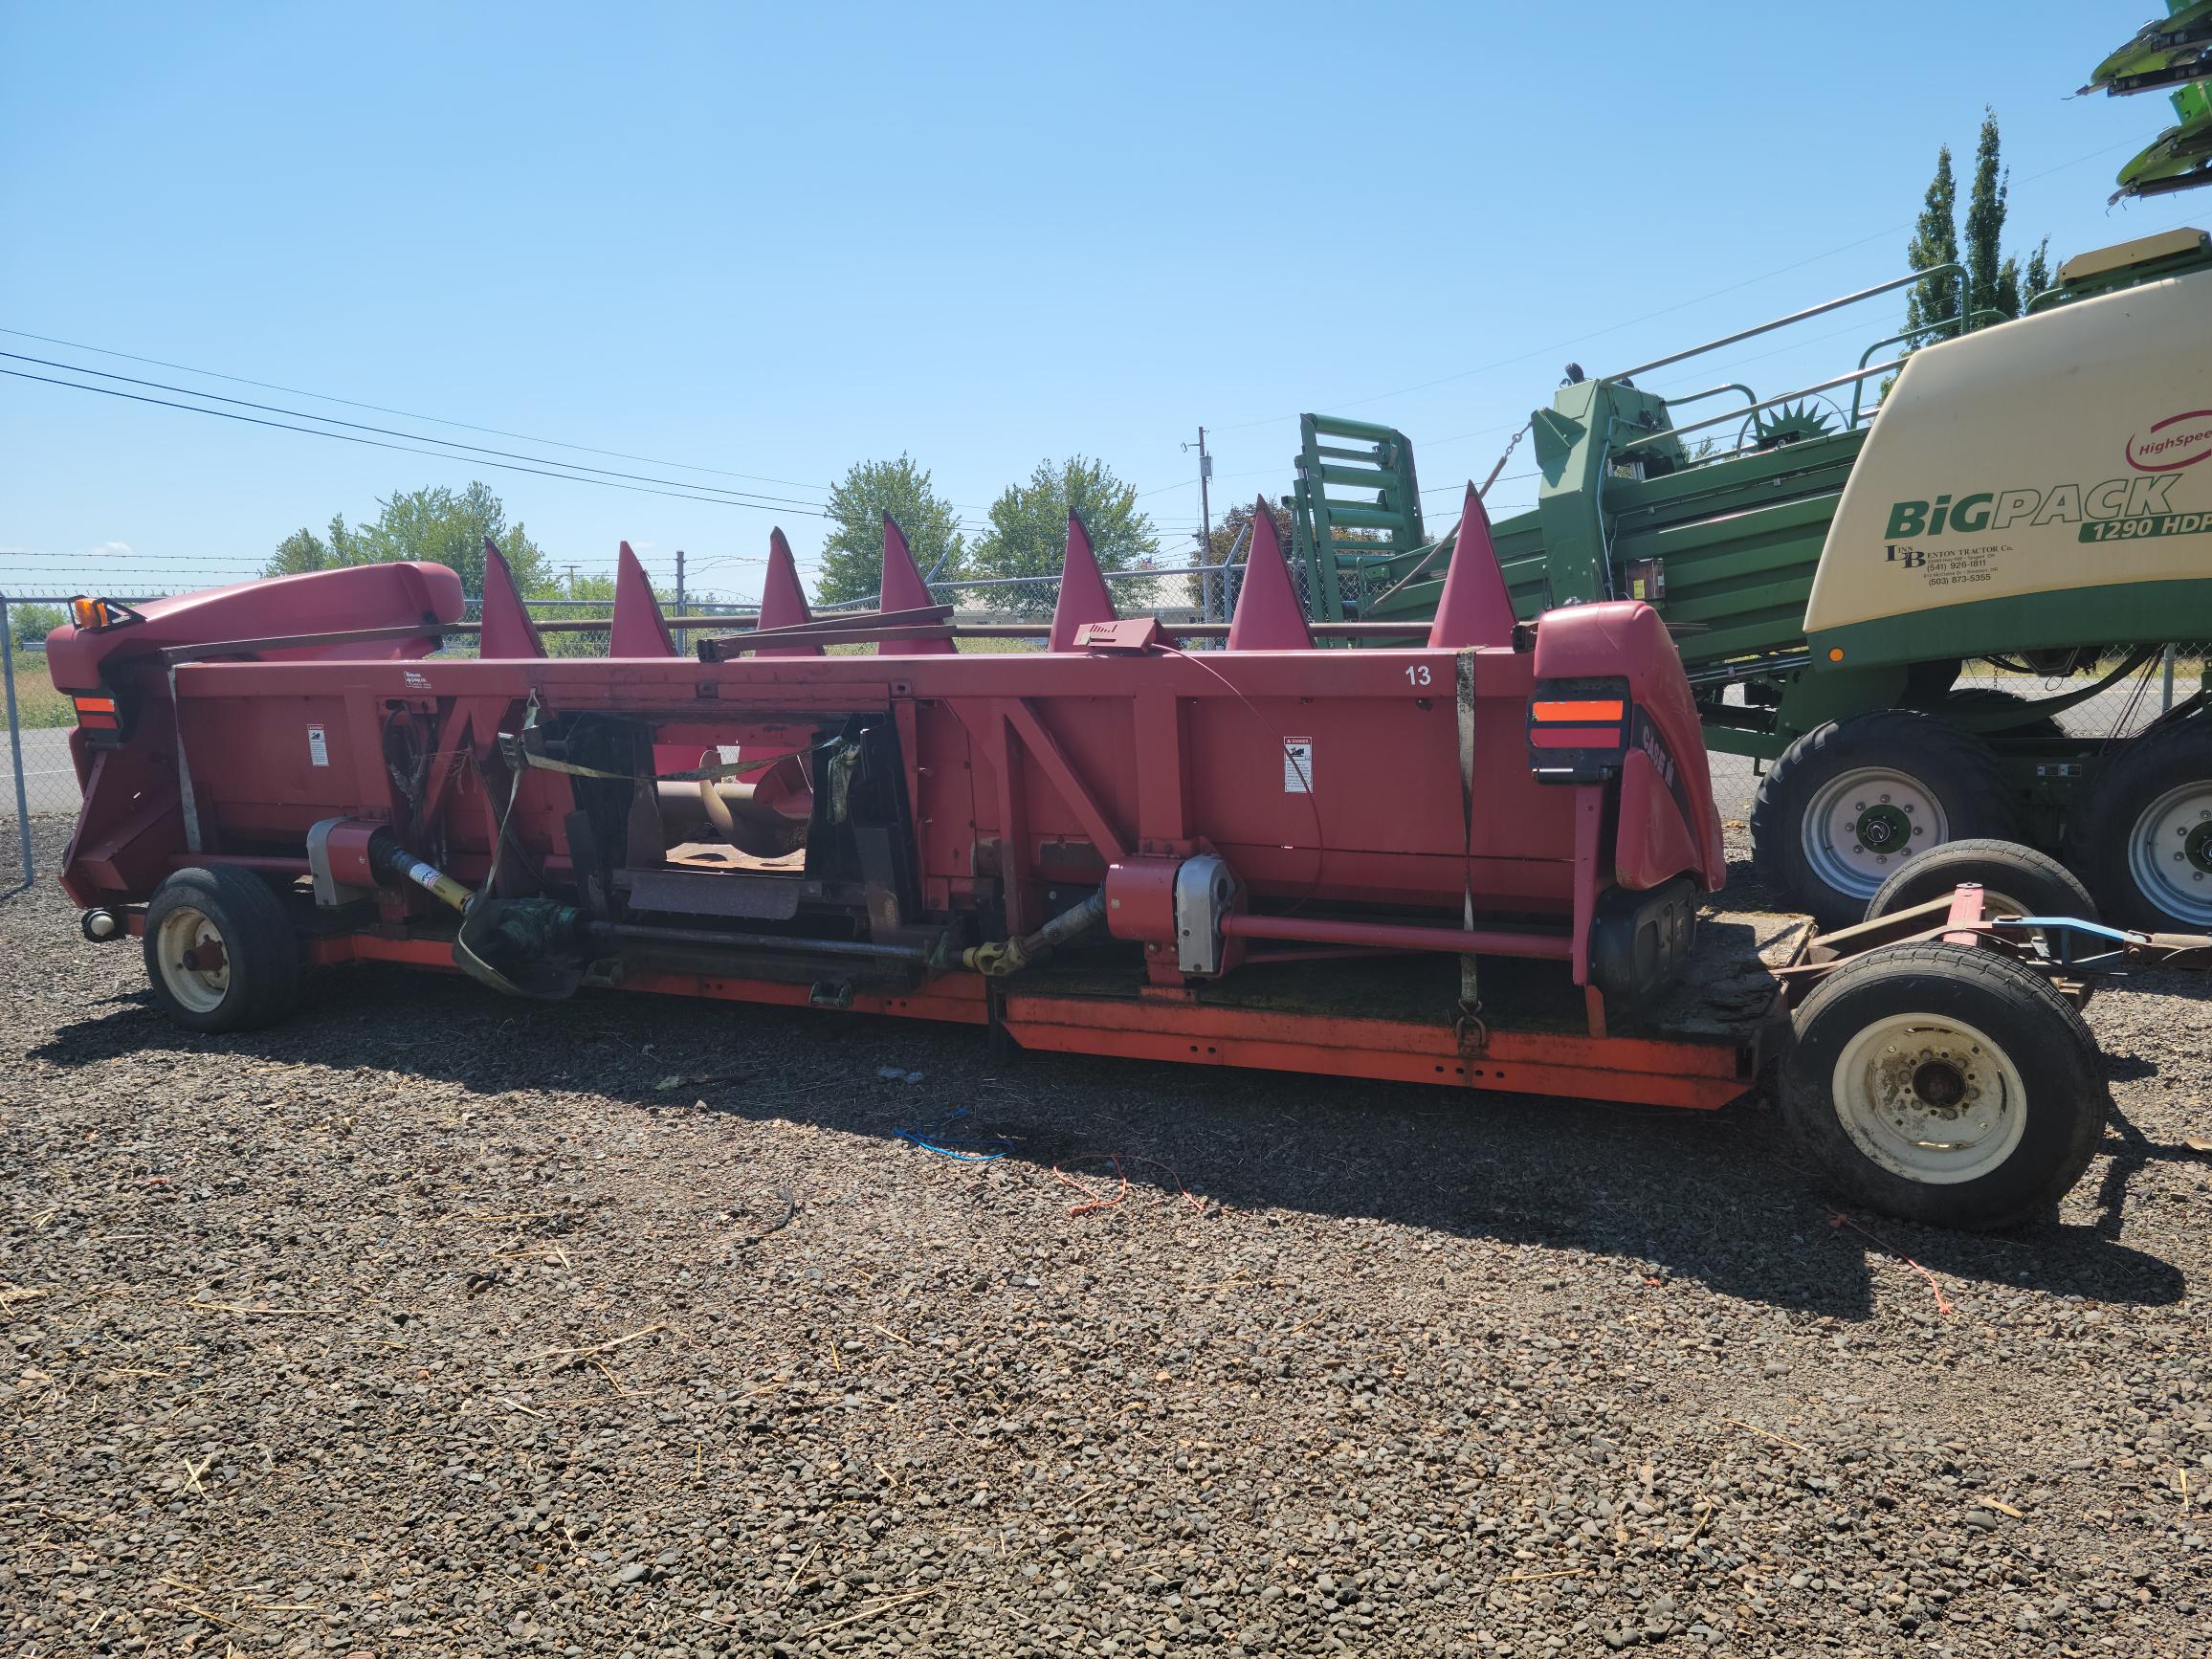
(16, 738)
(2168, 701)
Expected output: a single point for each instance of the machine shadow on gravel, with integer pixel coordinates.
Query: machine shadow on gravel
(1644, 1193)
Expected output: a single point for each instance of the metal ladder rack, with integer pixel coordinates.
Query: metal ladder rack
(1356, 499)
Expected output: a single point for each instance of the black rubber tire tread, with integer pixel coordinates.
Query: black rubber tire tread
(2046, 728)
(257, 938)
(2116, 795)
(1959, 768)
(2037, 879)
(2042, 1033)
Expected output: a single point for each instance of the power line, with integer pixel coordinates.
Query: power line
(750, 497)
(380, 409)
(402, 448)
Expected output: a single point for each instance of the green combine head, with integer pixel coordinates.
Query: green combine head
(2170, 52)
(2174, 51)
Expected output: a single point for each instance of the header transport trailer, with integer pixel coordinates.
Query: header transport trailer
(1478, 860)
(2034, 493)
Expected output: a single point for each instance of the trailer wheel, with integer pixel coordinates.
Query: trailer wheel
(2016, 880)
(1851, 801)
(220, 953)
(1944, 1084)
(2145, 842)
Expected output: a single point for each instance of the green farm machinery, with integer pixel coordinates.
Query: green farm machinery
(2029, 493)
(2173, 52)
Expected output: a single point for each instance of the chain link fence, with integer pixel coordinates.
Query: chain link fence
(38, 778)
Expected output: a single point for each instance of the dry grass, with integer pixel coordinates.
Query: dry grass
(36, 703)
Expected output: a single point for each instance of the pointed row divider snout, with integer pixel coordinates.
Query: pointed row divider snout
(782, 601)
(638, 628)
(903, 589)
(1083, 596)
(1474, 607)
(507, 630)
(1268, 616)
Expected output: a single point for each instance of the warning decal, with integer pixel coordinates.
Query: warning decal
(1297, 766)
(318, 747)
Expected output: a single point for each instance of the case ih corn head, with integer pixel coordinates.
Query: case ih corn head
(1476, 861)
(2033, 493)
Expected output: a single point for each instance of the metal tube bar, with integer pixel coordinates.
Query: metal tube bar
(1749, 396)
(15, 736)
(1794, 316)
(775, 943)
(1899, 339)
(1139, 575)
(1736, 414)
(1399, 936)
(1109, 575)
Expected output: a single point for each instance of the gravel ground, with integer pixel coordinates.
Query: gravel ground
(431, 1324)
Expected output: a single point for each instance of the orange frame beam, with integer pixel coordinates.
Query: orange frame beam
(1638, 1071)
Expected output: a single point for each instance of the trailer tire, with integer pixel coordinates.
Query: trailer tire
(2017, 881)
(2145, 841)
(1944, 1084)
(1915, 778)
(251, 975)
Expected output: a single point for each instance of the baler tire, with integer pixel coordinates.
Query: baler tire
(1957, 771)
(258, 981)
(2166, 765)
(1980, 1021)
(2018, 880)
(2043, 729)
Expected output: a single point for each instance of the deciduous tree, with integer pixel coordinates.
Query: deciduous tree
(436, 525)
(1028, 533)
(852, 555)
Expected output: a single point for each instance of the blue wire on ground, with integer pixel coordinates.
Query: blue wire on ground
(934, 1139)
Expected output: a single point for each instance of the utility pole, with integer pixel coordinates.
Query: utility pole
(681, 644)
(1206, 521)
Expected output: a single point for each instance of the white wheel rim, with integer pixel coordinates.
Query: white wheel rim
(2170, 854)
(196, 966)
(1929, 1098)
(1865, 823)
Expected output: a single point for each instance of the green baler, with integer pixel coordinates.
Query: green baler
(1829, 559)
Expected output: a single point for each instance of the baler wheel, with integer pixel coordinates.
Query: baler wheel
(220, 953)
(2145, 839)
(2043, 728)
(1944, 1084)
(1853, 801)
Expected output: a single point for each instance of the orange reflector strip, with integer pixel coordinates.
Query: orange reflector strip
(1608, 710)
(99, 722)
(95, 705)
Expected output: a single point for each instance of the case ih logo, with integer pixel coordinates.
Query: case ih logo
(2175, 442)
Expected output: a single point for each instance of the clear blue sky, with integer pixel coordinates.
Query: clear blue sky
(776, 240)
